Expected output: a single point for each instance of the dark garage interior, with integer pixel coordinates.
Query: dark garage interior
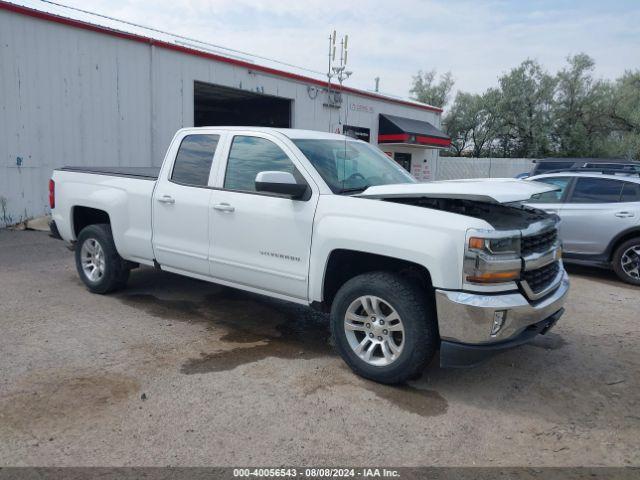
(215, 105)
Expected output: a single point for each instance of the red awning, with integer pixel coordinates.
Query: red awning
(406, 131)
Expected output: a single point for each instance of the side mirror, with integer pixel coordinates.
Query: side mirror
(282, 183)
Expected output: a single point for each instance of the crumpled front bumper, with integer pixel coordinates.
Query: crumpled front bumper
(465, 321)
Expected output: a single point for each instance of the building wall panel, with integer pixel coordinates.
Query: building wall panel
(70, 96)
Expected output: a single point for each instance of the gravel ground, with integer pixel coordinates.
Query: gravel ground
(174, 371)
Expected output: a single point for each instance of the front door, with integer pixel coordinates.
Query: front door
(595, 212)
(260, 240)
(552, 202)
(181, 207)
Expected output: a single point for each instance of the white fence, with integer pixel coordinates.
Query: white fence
(448, 168)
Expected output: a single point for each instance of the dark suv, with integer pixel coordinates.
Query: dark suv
(546, 165)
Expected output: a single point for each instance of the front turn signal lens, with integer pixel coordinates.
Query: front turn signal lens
(476, 243)
(494, 277)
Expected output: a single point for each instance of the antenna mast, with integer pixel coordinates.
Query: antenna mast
(340, 72)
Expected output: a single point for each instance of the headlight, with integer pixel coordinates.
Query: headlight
(496, 246)
(490, 258)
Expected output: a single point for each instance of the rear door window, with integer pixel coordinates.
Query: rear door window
(596, 190)
(630, 192)
(194, 159)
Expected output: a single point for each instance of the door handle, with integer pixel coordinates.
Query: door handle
(167, 199)
(224, 207)
(551, 210)
(625, 214)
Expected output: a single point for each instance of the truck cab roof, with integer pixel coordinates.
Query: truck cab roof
(292, 133)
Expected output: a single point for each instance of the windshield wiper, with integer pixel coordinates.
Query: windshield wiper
(352, 190)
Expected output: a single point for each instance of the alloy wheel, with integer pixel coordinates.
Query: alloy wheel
(630, 262)
(93, 259)
(374, 330)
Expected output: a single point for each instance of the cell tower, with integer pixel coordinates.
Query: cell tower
(337, 70)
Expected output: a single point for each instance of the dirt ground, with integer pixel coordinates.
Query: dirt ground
(174, 371)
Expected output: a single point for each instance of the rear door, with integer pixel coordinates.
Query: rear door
(181, 205)
(261, 240)
(596, 211)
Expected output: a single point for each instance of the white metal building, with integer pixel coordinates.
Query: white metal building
(79, 90)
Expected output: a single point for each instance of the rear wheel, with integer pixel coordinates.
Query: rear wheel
(98, 263)
(626, 261)
(383, 327)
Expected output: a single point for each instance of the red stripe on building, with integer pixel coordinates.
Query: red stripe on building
(393, 137)
(445, 142)
(419, 139)
(197, 53)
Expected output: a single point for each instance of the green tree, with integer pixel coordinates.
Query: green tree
(458, 122)
(580, 113)
(525, 110)
(486, 121)
(534, 114)
(425, 89)
(472, 122)
(624, 113)
(625, 109)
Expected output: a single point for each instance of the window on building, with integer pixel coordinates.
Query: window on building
(194, 159)
(404, 159)
(596, 190)
(252, 155)
(551, 197)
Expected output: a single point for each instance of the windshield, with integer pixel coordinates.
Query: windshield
(350, 166)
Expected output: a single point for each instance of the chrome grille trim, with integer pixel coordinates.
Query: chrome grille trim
(534, 291)
(542, 268)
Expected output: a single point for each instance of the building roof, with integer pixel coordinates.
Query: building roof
(50, 11)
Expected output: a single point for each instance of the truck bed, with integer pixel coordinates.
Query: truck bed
(124, 193)
(146, 173)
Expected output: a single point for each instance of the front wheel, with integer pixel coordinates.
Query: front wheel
(99, 265)
(626, 261)
(384, 328)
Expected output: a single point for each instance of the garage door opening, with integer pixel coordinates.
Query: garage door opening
(215, 105)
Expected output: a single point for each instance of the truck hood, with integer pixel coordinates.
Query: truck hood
(494, 190)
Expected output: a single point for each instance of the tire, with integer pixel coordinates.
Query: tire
(111, 271)
(418, 340)
(626, 261)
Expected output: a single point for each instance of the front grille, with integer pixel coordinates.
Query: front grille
(539, 243)
(542, 277)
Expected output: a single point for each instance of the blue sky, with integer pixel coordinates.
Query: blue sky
(476, 40)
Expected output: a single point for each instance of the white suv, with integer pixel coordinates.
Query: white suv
(600, 216)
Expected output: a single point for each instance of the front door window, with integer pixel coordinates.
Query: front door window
(250, 156)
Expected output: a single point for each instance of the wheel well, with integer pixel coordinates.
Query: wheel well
(85, 216)
(343, 265)
(620, 240)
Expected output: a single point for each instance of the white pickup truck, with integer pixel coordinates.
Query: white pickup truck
(404, 268)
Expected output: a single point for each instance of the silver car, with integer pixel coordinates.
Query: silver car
(600, 219)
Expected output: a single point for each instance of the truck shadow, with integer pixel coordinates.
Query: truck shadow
(551, 377)
(252, 328)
